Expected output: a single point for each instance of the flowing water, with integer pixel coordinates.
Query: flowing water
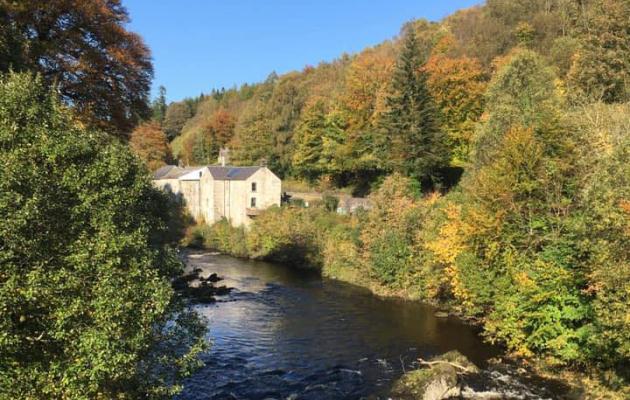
(285, 333)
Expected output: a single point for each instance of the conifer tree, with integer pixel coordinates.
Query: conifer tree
(415, 146)
(159, 106)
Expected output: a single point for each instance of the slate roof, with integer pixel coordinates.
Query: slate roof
(229, 173)
(220, 173)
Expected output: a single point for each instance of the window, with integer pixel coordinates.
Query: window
(254, 187)
(253, 202)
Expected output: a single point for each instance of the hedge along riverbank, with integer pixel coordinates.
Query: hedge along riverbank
(414, 247)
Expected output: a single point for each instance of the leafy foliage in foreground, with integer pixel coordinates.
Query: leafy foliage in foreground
(86, 305)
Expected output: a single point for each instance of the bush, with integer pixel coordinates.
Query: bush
(85, 262)
(287, 235)
(331, 202)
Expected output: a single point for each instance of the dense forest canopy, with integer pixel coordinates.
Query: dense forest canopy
(330, 122)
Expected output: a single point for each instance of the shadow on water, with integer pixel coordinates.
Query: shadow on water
(287, 333)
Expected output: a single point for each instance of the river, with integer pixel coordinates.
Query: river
(286, 333)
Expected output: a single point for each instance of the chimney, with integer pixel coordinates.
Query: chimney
(224, 156)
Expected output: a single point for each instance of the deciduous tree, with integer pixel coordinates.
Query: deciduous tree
(100, 68)
(458, 86)
(86, 262)
(150, 144)
(177, 114)
(601, 70)
(318, 136)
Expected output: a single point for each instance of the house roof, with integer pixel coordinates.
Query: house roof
(218, 172)
(172, 172)
(229, 173)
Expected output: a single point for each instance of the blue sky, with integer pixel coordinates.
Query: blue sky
(198, 45)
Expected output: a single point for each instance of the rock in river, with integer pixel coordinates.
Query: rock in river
(439, 381)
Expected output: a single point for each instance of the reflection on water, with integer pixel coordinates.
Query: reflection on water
(286, 333)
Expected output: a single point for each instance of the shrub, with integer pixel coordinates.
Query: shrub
(85, 262)
(330, 202)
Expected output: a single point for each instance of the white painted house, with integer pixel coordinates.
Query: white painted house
(216, 191)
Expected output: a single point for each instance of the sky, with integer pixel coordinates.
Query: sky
(198, 45)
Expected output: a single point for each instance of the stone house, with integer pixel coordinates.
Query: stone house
(216, 191)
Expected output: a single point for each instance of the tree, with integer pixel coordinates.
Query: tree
(102, 70)
(177, 114)
(309, 142)
(219, 130)
(150, 144)
(522, 93)
(253, 140)
(389, 230)
(317, 137)
(417, 146)
(365, 83)
(159, 106)
(604, 168)
(601, 70)
(517, 225)
(86, 262)
(458, 86)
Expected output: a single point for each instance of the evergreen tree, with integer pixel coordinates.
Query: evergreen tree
(416, 146)
(159, 106)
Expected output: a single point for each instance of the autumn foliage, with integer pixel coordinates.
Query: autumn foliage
(102, 70)
(149, 142)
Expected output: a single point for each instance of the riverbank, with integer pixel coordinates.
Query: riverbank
(285, 332)
(534, 300)
(323, 241)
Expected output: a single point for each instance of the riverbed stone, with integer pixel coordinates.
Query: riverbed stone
(441, 314)
(458, 358)
(435, 383)
(439, 381)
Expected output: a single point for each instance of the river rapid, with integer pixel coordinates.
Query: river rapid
(287, 333)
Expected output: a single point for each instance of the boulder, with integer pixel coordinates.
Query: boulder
(441, 314)
(439, 381)
(435, 383)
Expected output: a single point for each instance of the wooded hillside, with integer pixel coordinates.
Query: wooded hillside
(343, 122)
